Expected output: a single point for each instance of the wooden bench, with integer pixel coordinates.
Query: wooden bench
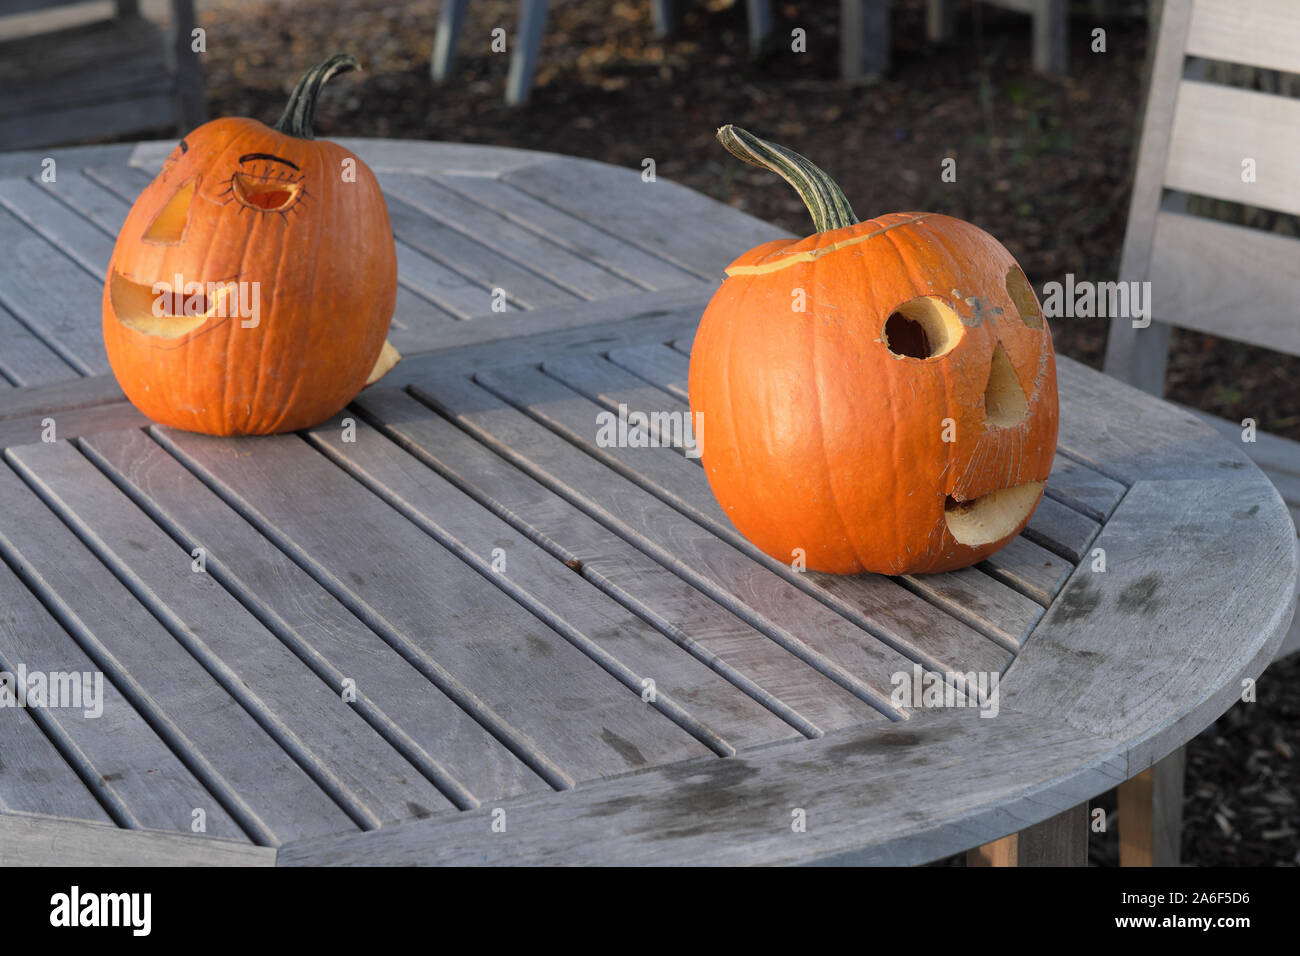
(1215, 277)
(98, 80)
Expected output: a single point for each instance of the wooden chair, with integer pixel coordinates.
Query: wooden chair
(98, 80)
(1051, 27)
(1227, 143)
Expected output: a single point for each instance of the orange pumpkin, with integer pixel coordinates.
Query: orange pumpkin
(251, 288)
(879, 396)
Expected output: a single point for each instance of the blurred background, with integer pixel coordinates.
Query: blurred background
(1044, 162)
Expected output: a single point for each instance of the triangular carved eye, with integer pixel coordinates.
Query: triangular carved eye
(1005, 403)
(168, 227)
(1021, 294)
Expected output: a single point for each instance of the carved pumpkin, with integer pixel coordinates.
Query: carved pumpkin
(879, 396)
(251, 288)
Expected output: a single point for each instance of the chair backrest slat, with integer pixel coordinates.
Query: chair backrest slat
(1224, 279)
(1217, 128)
(1223, 142)
(1263, 33)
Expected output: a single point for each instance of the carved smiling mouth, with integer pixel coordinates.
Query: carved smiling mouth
(167, 315)
(991, 517)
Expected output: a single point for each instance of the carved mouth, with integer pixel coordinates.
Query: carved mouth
(138, 307)
(991, 517)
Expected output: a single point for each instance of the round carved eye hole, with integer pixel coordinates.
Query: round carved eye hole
(922, 328)
(1021, 295)
(264, 195)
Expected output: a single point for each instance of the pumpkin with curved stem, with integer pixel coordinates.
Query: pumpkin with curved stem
(879, 396)
(252, 285)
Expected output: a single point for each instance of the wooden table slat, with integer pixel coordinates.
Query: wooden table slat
(726, 718)
(660, 216)
(1030, 569)
(308, 719)
(853, 657)
(429, 729)
(36, 778)
(415, 312)
(584, 239)
(53, 308)
(1061, 529)
(716, 636)
(554, 707)
(579, 276)
(75, 235)
(653, 379)
(91, 200)
(27, 359)
(129, 768)
(125, 182)
(219, 741)
(444, 288)
(474, 260)
(1083, 489)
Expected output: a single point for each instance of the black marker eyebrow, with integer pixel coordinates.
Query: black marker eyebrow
(277, 159)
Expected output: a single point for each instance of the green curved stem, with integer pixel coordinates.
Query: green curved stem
(296, 120)
(825, 200)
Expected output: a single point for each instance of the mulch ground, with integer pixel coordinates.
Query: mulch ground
(1044, 164)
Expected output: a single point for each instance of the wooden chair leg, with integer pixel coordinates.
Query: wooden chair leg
(1061, 840)
(528, 43)
(191, 100)
(665, 17)
(1151, 814)
(450, 20)
(864, 39)
(1051, 31)
(759, 13)
(940, 20)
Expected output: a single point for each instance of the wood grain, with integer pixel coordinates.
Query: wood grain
(852, 657)
(788, 686)
(218, 741)
(870, 797)
(576, 274)
(48, 841)
(582, 238)
(1115, 655)
(1263, 33)
(307, 718)
(875, 603)
(467, 763)
(553, 707)
(127, 767)
(660, 217)
(54, 307)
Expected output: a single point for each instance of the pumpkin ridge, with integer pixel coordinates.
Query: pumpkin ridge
(821, 395)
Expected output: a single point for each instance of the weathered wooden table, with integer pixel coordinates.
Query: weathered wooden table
(453, 627)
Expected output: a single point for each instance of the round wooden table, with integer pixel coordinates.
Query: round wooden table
(455, 606)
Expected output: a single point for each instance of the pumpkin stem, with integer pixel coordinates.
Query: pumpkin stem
(825, 200)
(298, 114)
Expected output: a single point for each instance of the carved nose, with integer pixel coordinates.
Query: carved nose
(1005, 403)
